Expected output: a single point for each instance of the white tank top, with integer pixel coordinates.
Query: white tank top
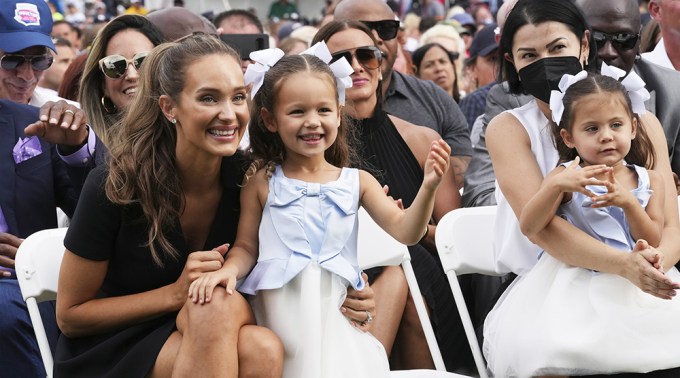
(513, 251)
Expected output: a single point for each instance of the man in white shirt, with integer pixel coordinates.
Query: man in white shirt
(667, 51)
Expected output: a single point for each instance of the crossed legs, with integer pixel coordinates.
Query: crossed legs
(219, 339)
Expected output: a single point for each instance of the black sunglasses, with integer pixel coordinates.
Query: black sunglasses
(386, 29)
(620, 41)
(38, 62)
(115, 66)
(368, 57)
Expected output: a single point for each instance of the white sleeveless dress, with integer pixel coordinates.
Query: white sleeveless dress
(557, 319)
(307, 258)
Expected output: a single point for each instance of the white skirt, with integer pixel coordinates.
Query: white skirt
(318, 340)
(559, 319)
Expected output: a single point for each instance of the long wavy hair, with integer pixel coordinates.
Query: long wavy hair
(266, 147)
(92, 80)
(641, 149)
(143, 166)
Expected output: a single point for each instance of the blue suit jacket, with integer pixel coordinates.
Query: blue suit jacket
(31, 190)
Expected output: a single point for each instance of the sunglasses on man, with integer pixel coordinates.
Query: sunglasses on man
(386, 29)
(38, 62)
(620, 41)
(368, 57)
(115, 66)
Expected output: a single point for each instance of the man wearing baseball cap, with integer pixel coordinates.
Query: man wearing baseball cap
(33, 180)
(25, 28)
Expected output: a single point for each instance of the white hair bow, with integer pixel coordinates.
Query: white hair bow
(265, 59)
(634, 85)
(341, 67)
(556, 97)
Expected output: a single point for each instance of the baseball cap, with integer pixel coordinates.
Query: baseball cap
(25, 23)
(484, 42)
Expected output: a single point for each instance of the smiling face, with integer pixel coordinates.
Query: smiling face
(547, 39)
(126, 43)
(18, 84)
(364, 81)
(306, 115)
(437, 67)
(601, 129)
(211, 110)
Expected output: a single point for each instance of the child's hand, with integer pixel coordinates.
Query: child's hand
(437, 164)
(574, 179)
(202, 288)
(616, 195)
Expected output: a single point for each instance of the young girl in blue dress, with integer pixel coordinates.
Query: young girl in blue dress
(560, 319)
(298, 225)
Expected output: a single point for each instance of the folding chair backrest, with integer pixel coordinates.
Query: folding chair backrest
(37, 264)
(378, 248)
(464, 242)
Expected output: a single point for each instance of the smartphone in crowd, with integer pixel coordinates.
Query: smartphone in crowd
(244, 44)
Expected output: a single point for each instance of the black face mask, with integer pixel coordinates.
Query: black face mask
(543, 75)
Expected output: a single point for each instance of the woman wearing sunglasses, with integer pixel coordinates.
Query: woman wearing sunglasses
(433, 62)
(395, 151)
(112, 69)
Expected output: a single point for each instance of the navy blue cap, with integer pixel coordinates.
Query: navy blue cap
(484, 42)
(25, 23)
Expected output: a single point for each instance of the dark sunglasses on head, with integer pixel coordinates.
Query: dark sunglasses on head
(368, 57)
(38, 62)
(386, 29)
(115, 66)
(622, 41)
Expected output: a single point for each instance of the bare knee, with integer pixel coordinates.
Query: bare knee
(224, 314)
(260, 352)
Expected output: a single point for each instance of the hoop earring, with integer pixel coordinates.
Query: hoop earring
(108, 105)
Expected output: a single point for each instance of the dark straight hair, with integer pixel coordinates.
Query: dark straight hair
(533, 12)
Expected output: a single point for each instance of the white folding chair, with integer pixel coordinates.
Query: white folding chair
(37, 264)
(464, 240)
(377, 248)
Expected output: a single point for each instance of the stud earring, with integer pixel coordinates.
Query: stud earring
(173, 121)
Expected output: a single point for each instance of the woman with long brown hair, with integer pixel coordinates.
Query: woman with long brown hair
(158, 215)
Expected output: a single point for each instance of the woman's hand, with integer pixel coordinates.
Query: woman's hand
(437, 164)
(358, 305)
(644, 270)
(60, 123)
(198, 263)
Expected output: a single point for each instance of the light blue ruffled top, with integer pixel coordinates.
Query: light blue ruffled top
(607, 224)
(302, 223)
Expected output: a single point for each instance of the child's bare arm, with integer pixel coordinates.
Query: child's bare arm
(644, 224)
(407, 226)
(648, 223)
(243, 255)
(541, 208)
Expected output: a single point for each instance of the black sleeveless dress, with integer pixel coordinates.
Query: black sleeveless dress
(385, 154)
(103, 231)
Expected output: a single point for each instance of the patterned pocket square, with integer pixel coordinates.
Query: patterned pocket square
(26, 148)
